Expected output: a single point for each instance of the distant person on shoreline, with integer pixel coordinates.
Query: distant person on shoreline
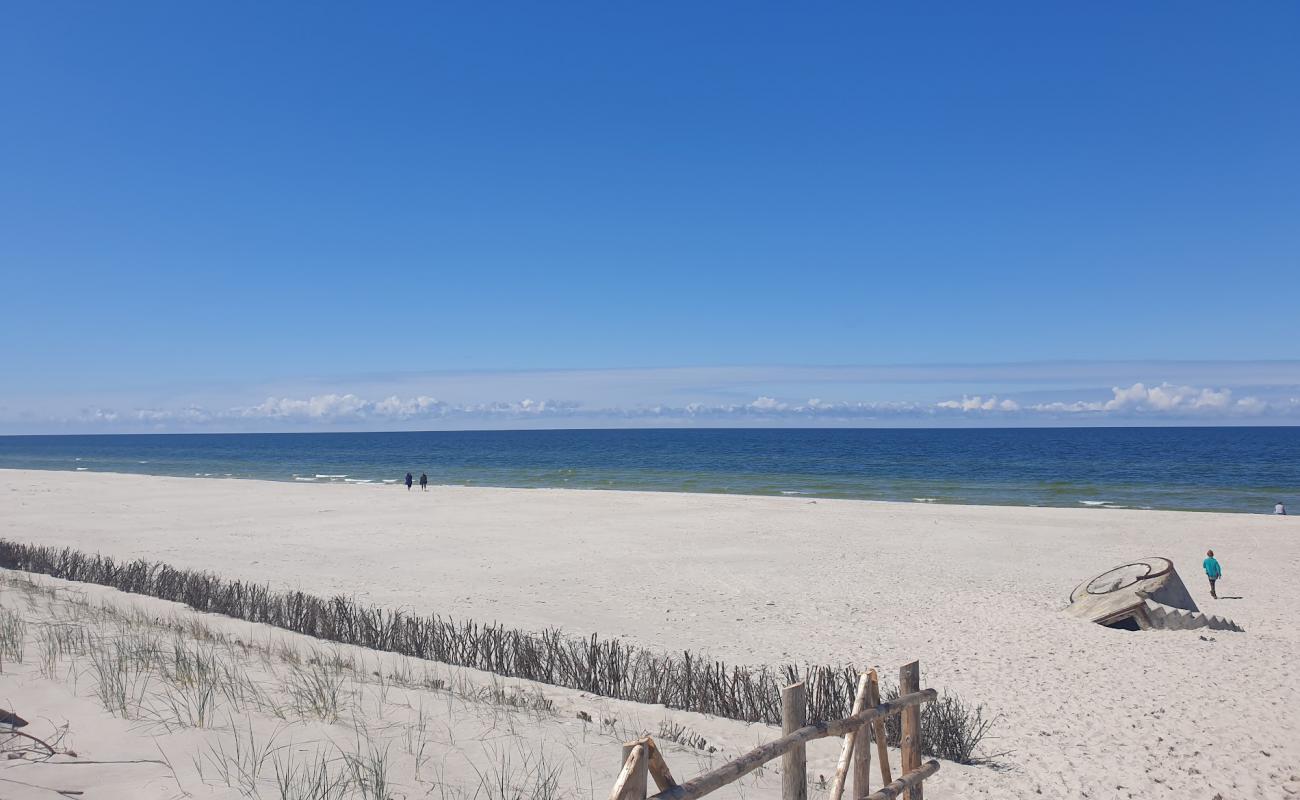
(1279, 509)
(1212, 571)
(408, 481)
(424, 482)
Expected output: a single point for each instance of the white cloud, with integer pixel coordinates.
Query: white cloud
(350, 407)
(189, 414)
(1146, 403)
(320, 407)
(1251, 405)
(422, 406)
(977, 403)
(1165, 398)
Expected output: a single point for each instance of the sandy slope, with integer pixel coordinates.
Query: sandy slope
(442, 732)
(974, 592)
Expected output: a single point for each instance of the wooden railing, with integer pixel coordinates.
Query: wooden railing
(642, 758)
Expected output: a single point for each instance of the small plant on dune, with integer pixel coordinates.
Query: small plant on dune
(121, 677)
(417, 739)
(59, 640)
(674, 732)
(950, 729)
(49, 653)
(316, 690)
(369, 772)
(531, 777)
(431, 683)
(243, 765)
(239, 687)
(192, 684)
(516, 697)
(314, 777)
(13, 636)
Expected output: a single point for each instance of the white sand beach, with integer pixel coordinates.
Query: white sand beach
(974, 593)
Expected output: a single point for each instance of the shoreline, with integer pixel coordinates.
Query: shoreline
(1079, 505)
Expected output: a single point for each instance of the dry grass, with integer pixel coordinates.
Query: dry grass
(13, 636)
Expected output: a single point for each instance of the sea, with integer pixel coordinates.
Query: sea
(1235, 469)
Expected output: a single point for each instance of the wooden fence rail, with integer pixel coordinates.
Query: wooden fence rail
(643, 757)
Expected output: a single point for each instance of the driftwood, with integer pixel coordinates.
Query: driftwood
(39, 741)
(743, 765)
(910, 781)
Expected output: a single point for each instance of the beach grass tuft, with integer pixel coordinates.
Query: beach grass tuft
(13, 636)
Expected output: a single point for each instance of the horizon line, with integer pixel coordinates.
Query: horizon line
(667, 428)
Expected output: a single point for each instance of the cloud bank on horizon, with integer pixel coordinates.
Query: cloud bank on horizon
(1135, 403)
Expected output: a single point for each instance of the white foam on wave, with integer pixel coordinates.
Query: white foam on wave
(387, 480)
(357, 480)
(1095, 502)
(793, 492)
(925, 499)
(331, 477)
(82, 469)
(300, 478)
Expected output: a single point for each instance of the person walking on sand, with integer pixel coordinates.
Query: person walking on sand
(424, 482)
(408, 481)
(1212, 571)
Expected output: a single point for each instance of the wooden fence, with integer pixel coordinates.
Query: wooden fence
(642, 758)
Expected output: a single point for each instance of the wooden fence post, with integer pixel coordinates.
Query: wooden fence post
(862, 763)
(794, 764)
(909, 680)
(632, 781)
(850, 740)
(878, 727)
(658, 767)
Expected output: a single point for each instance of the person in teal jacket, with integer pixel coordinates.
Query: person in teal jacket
(1212, 570)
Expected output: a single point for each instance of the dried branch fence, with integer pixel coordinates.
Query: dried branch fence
(604, 666)
(608, 667)
(642, 758)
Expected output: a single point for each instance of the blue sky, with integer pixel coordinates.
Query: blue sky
(613, 208)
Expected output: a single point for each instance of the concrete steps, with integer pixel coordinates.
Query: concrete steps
(1163, 617)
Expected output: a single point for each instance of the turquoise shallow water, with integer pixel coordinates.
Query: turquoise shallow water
(1221, 469)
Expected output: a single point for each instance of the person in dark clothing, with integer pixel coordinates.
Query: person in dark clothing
(408, 481)
(424, 482)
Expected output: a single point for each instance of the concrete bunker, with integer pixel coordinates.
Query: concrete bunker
(1146, 594)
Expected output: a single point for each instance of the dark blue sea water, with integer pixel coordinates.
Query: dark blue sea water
(1225, 469)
